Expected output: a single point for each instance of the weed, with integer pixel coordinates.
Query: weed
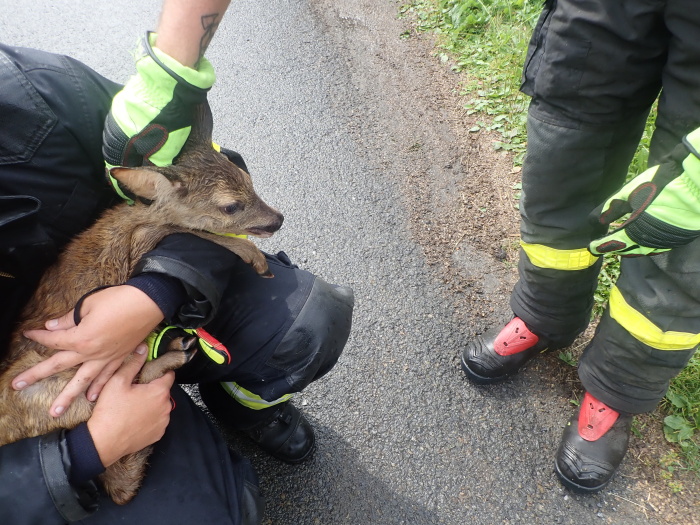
(568, 357)
(670, 463)
(682, 401)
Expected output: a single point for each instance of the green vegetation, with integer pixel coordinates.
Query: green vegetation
(682, 402)
(487, 39)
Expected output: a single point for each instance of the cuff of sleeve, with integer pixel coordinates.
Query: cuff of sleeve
(203, 293)
(72, 502)
(693, 139)
(167, 292)
(202, 78)
(84, 459)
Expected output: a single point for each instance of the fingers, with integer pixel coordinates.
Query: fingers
(57, 340)
(131, 366)
(56, 363)
(62, 323)
(165, 381)
(161, 387)
(92, 376)
(78, 385)
(93, 392)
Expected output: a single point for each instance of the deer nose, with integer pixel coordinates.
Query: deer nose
(275, 224)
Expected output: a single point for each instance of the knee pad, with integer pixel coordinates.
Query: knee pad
(316, 338)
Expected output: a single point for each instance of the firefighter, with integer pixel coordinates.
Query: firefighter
(593, 70)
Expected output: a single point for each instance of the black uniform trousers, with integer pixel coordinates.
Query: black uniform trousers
(593, 70)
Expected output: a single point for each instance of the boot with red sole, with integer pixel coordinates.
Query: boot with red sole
(500, 353)
(594, 442)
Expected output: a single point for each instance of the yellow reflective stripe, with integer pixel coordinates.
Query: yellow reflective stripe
(207, 347)
(250, 400)
(644, 330)
(211, 352)
(570, 260)
(216, 146)
(152, 341)
(230, 235)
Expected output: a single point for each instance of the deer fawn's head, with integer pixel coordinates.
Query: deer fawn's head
(203, 189)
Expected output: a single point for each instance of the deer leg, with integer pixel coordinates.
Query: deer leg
(178, 352)
(245, 249)
(122, 479)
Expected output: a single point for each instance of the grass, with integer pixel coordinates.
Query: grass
(487, 39)
(477, 36)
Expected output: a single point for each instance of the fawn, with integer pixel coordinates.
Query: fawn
(201, 192)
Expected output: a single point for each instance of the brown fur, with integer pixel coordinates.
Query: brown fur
(189, 196)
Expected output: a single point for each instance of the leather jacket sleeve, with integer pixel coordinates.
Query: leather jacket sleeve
(34, 486)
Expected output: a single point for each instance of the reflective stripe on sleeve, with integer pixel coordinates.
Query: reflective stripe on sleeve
(568, 260)
(644, 330)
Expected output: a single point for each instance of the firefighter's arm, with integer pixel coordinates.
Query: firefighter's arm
(663, 204)
(113, 321)
(151, 117)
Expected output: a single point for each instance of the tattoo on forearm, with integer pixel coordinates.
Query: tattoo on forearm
(209, 23)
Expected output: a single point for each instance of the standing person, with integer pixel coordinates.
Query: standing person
(278, 334)
(593, 70)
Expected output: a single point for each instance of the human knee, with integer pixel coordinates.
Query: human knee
(315, 340)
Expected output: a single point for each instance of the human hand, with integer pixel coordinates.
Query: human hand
(151, 118)
(128, 417)
(663, 203)
(114, 321)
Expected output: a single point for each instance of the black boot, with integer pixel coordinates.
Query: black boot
(592, 447)
(281, 430)
(500, 353)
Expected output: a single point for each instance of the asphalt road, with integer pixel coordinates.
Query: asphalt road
(402, 437)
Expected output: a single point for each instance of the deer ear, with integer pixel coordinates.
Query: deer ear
(141, 181)
(202, 126)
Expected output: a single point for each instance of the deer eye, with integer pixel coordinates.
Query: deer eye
(232, 208)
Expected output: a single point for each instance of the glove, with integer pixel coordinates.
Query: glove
(151, 118)
(170, 338)
(663, 203)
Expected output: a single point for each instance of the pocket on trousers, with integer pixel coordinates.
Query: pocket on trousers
(555, 61)
(535, 49)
